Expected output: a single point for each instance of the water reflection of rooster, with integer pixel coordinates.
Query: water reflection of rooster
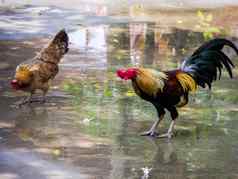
(137, 41)
(169, 89)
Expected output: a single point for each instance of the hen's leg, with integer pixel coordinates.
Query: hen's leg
(174, 115)
(152, 132)
(44, 89)
(26, 100)
(44, 96)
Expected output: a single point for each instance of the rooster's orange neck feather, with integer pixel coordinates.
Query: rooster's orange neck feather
(150, 81)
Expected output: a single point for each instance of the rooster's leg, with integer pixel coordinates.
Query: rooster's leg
(160, 113)
(169, 134)
(152, 132)
(174, 114)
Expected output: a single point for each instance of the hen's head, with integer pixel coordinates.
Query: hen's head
(127, 74)
(23, 78)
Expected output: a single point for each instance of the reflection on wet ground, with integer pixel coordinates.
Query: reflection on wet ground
(89, 127)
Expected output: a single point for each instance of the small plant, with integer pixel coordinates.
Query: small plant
(204, 23)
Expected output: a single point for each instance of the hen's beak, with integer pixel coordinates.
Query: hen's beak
(14, 84)
(14, 81)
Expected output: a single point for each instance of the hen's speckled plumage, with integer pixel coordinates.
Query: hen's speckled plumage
(36, 73)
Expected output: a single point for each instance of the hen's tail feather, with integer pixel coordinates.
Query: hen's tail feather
(207, 62)
(62, 40)
(56, 48)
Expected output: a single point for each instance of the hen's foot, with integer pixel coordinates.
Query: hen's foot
(22, 102)
(29, 101)
(40, 100)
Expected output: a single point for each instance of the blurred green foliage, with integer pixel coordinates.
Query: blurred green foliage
(205, 23)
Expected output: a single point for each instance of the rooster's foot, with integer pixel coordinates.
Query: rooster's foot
(166, 135)
(150, 133)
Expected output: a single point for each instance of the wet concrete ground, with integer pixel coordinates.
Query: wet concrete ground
(89, 127)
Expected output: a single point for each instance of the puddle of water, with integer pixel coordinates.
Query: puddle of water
(39, 168)
(95, 130)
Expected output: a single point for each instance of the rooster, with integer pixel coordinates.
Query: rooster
(36, 73)
(170, 89)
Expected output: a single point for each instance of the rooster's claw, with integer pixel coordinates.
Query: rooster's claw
(166, 135)
(150, 133)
